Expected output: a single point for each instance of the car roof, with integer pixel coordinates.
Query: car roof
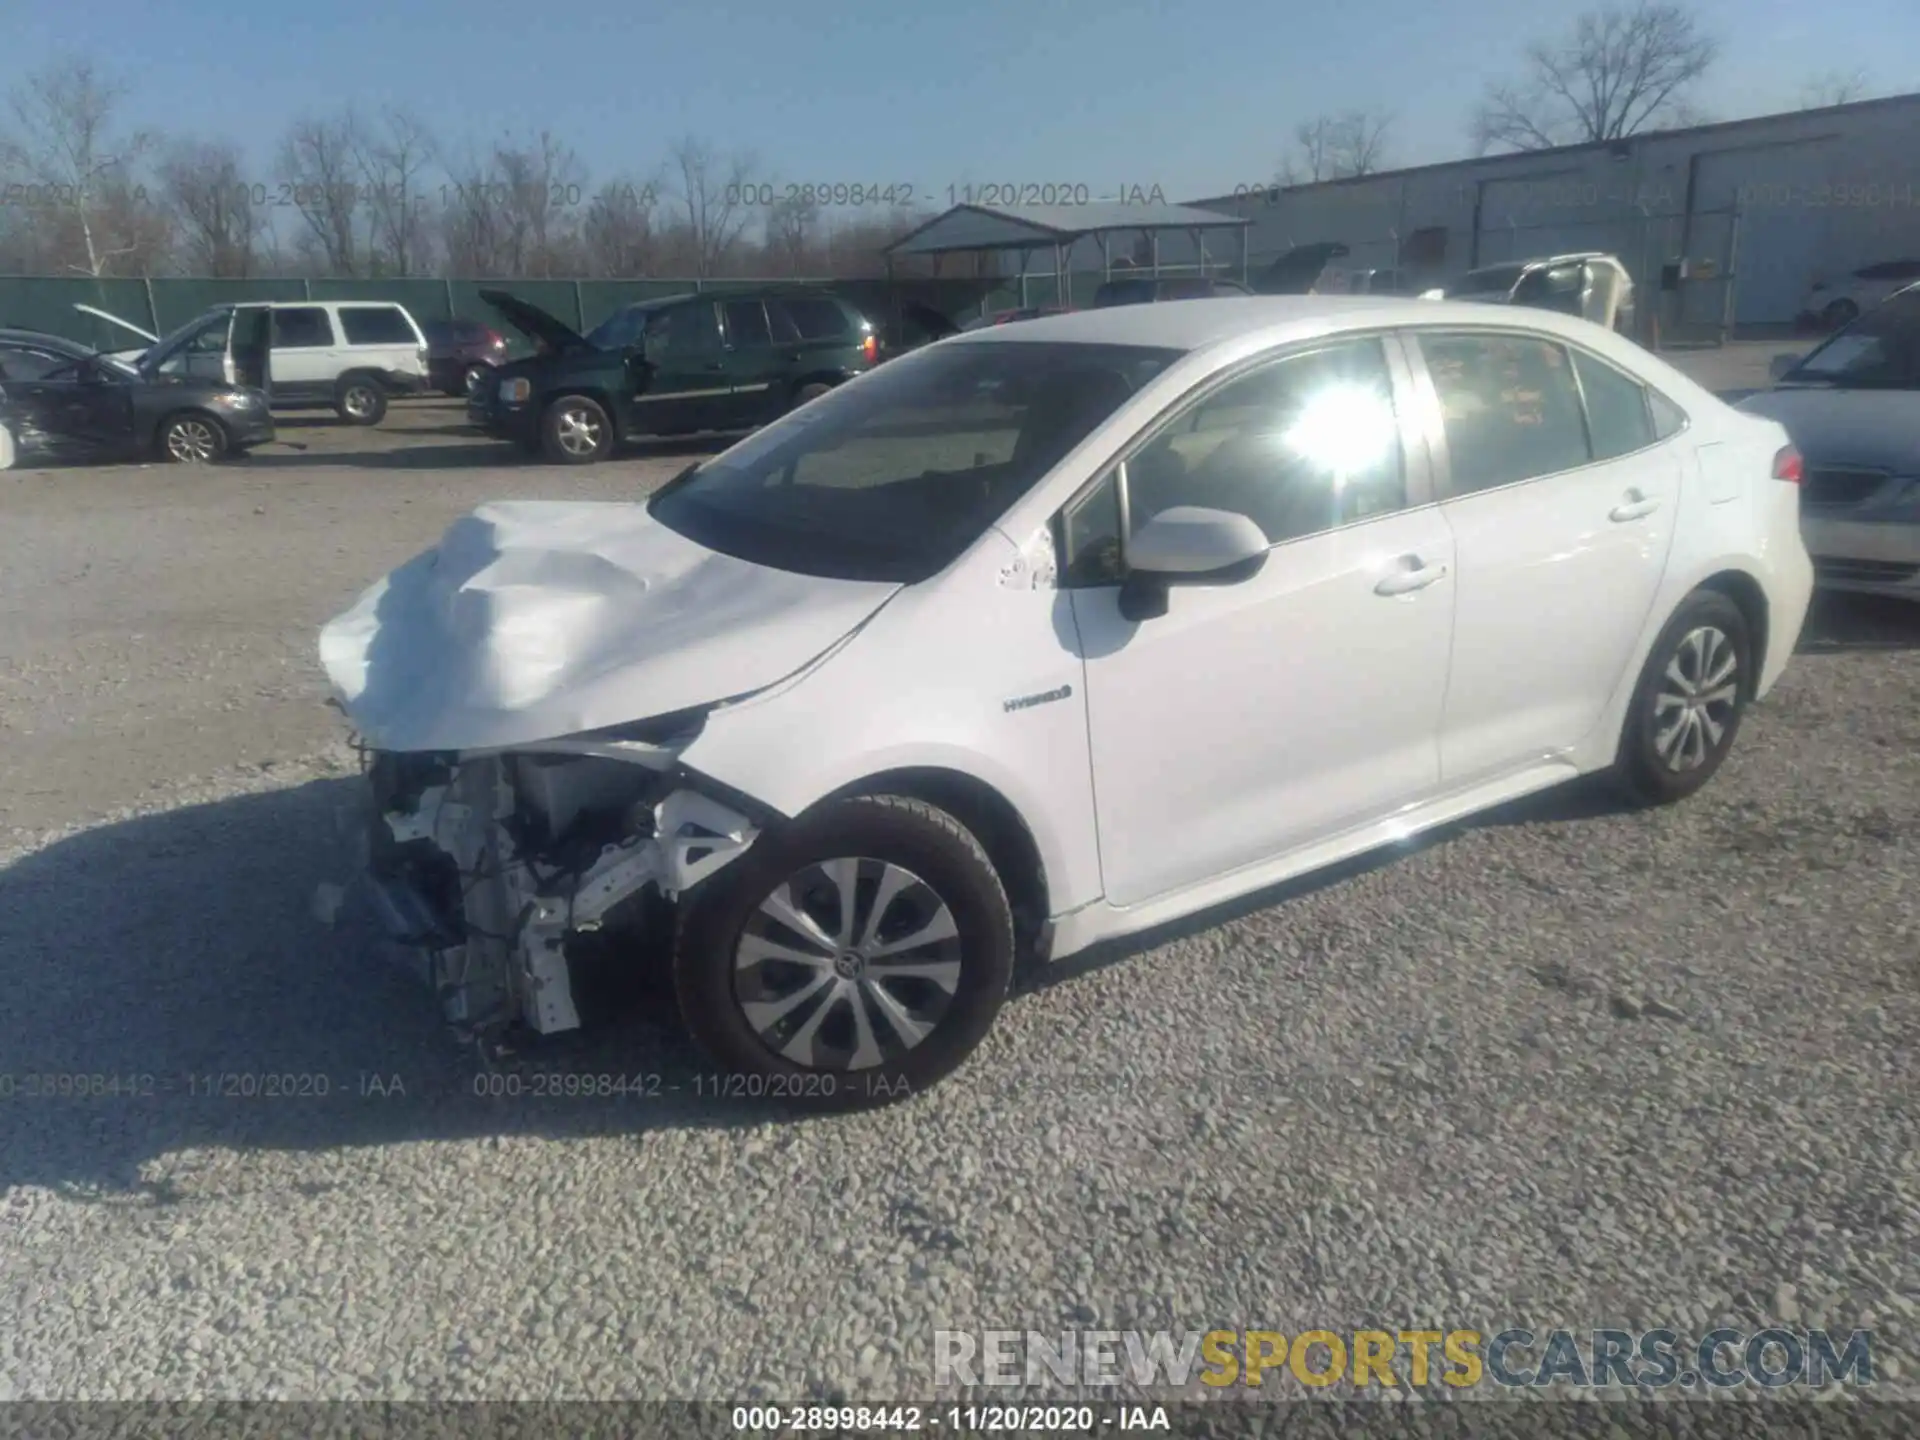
(15, 335)
(1270, 320)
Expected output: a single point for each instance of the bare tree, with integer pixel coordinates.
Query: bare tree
(392, 154)
(321, 182)
(1333, 147)
(791, 228)
(1836, 88)
(80, 172)
(215, 219)
(712, 192)
(1621, 72)
(617, 234)
(540, 192)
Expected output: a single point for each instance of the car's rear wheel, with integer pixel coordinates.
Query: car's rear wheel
(576, 431)
(360, 400)
(808, 392)
(192, 439)
(1686, 709)
(854, 956)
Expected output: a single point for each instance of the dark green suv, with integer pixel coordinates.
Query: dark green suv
(682, 365)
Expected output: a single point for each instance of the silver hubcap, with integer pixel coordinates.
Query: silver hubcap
(191, 441)
(474, 377)
(359, 401)
(847, 964)
(1699, 694)
(578, 430)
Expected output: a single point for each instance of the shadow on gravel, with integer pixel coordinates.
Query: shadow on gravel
(158, 955)
(1840, 622)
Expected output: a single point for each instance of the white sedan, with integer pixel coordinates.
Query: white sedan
(1047, 634)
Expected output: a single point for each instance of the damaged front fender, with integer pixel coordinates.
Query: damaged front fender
(488, 869)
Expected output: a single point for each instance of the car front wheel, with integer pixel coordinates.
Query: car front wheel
(855, 956)
(1686, 709)
(576, 431)
(193, 439)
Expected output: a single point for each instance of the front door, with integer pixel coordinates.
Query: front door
(1562, 504)
(1257, 717)
(250, 348)
(755, 369)
(83, 408)
(688, 388)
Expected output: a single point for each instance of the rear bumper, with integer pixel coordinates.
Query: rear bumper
(1879, 557)
(403, 382)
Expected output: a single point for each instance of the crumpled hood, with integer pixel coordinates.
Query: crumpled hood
(534, 620)
(1873, 428)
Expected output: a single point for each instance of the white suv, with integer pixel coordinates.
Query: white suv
(349, 354)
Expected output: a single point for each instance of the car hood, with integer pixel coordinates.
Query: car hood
(1875, 428)
(533, 620)
(535, 323)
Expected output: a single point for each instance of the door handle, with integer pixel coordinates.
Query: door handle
(1414, 574)
(1635, 507)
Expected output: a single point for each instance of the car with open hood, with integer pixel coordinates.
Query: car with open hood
(1591, 284)
(679, 365)
(62, 401)
(1045, 634)
(1852, 405)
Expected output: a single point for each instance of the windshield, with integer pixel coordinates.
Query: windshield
(1878, 351)
(205, 332)
(1496, 280)
(894, 476)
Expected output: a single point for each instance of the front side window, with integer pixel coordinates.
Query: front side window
(681, 330)
(23, 364)
(1511, 408)
(194, 347)
(747, 323)
(894, 476)
(1617, 415)
(301, 327)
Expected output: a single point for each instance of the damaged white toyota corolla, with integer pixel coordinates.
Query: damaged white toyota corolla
(1048, 634)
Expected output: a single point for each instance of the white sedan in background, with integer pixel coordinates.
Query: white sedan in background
(1047, 634)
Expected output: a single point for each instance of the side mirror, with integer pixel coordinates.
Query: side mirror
(1187, 544)
(1780, 365)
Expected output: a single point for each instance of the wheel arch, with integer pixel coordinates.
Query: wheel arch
(1746, 592)
(832, 379)
(993, 819)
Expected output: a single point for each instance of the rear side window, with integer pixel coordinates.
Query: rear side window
(747, 323)
(376, 325)
(298, 327)
(1511, 406)
(818, 319)
(1668, 418)
(1617, 417)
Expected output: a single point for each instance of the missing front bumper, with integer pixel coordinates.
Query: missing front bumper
(484, 871)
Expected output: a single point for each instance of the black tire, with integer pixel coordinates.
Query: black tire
(808, 392)
(192, 437)
(360, 400)
(470, 379)
(1664, 759)
(945, 867)
(575, 430)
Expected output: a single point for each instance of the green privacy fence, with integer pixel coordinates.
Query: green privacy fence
(46, 302)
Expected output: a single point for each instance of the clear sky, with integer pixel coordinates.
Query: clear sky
(1193, 98)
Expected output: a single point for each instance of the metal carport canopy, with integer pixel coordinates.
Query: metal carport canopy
(1032, 227)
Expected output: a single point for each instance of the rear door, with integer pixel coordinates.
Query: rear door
(307, 353)
(688, 389)
(1561, 496)
(756, 369)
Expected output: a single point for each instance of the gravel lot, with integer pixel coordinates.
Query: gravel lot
(1566, 1066)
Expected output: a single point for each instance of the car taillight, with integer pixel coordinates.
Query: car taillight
(1787, 466)
(870, 347)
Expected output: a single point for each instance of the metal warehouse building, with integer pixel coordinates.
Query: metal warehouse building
(1758, 210)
